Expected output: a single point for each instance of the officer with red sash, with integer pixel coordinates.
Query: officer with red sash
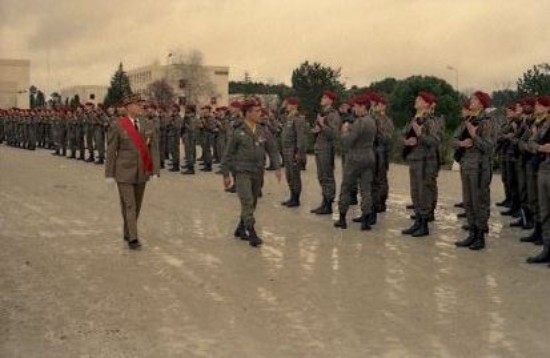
(132, 158)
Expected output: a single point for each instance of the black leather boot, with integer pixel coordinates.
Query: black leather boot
(358, 219)
(326, 209)
(189, 171)
(469, 240)
(479, 240)
(422, 230)
(535, 236)
(175, 167)
(517, 223)
(410, 207)
(461, 215)
(528, 222)
(365, 223)
(294, 200)
(372, 218)
(254, 240)
(100, 161)
(459, 205)
(240, 231)
(542, 257)
(413, 228)
(341, 223)
(232, 189)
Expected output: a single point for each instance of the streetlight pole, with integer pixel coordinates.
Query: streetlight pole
(451, 68)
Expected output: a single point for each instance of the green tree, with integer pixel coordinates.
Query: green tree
(40, 100)
(535, 81)
(309, 81)
(119, 89)
(252, 88)
(160, 91)
(503, 97)
(405, 92)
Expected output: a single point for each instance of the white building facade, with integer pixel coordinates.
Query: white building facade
(86, 93)
(15, 77)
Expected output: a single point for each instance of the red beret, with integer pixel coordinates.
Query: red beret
(428, 97)
(235, 104)
(293, 101)
(544, 101)
(484, 98)
(330, 94)
(363, 100)
(249, 103)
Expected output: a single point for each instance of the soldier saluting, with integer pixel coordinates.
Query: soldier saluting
(132, 158)
(245, 158)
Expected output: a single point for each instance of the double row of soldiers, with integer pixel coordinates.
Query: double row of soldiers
(523, 144)
(67, 131)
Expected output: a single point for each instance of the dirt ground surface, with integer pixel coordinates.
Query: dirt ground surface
(69, 287)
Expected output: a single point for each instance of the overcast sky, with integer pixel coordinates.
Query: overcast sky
(490, 42)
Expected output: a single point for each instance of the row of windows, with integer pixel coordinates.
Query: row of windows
(141, 77)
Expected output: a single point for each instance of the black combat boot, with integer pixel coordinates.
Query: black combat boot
(100, 161)
(413, 228)
(465, 227)
(461, 215)
(175, 167)
(294, 200)
(286, 202)
(326, 209)
(542, 257)
(535, 236)
(240, 231)
(372, 218)
(316, 210)
(410, 207)
(528, 222)
(90, 158)
(232, 189)
(381, 208)
(341, 223)
(423, 229)
(189, 171)
(134, 244)
(479, 240)
(469, 240)
(365, 222)
(56, 152)
(358, 219)
(206, 168)
(459, 205)
(503, 203)
(254, 240)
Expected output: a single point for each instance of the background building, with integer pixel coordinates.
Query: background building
(200, 84)
(15, 77)
(87, 93)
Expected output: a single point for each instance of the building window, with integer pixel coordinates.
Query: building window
(221, 73)
(92, 96)
(182, 83)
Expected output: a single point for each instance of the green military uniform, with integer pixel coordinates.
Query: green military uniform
(163, 121)
(245, 157)
(359, 165)
(476, 174)
(543, 190)
(190, 141)
(101, 124)
(294, 145)
(324, 148)
(208, 143)
(380, 187)
(423, 170)
(88, 120)
(173, 130)
(520, 168)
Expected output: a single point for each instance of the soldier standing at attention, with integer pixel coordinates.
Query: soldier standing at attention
(476, 144)
(540, 141)
(235, 121)
(385, 128)
(421, 146)
(293, 139)
(358, 139)
(88, 121)
(101, 124)
(245, 157)
(173, 130)
(326, 131)
(131, 161)
(190, 142)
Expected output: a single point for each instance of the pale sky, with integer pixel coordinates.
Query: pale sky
(77, 42)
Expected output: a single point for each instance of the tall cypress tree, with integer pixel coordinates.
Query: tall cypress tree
(119, 89)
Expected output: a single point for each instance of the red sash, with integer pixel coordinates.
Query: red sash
(142, 149)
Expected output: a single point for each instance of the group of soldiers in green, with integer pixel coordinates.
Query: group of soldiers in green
(243, 135)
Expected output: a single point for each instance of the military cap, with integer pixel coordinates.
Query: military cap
(331, 95)
(428, 97)
(483, 98)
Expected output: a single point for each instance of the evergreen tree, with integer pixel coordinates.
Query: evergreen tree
(119, 89)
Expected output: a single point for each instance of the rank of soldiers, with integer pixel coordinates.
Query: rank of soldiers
(242, 136)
